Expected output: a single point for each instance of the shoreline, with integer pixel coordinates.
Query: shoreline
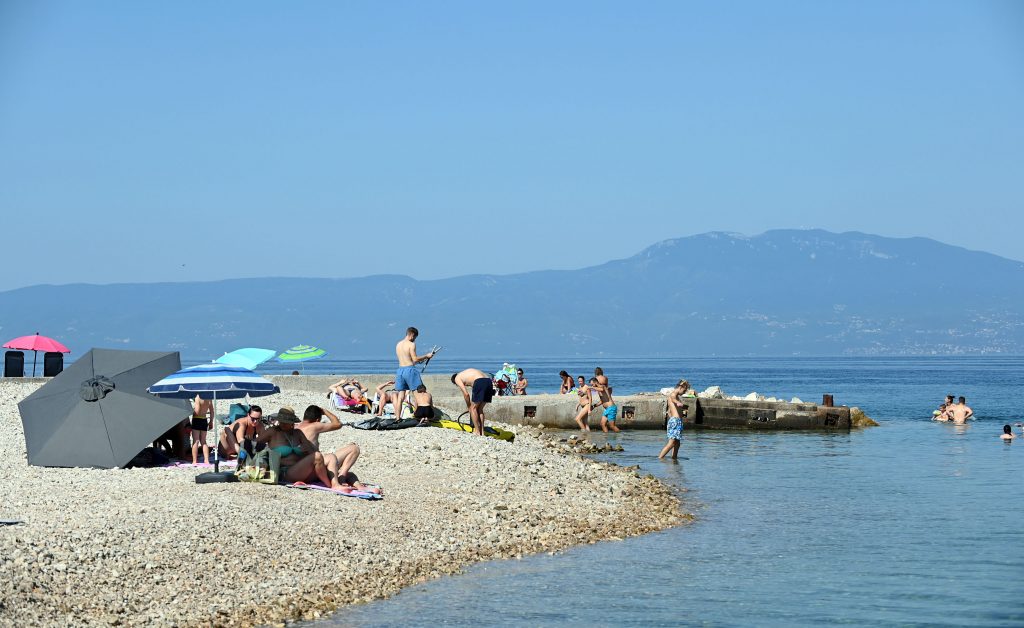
(149, 546)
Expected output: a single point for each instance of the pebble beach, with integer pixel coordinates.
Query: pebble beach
(146, 547)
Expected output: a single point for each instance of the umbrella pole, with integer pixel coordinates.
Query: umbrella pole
(216, 435)
(35, 355)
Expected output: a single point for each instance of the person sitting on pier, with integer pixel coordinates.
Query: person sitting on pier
(521, 382)
(566, 383)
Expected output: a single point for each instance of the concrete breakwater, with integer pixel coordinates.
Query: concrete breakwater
(640, 411)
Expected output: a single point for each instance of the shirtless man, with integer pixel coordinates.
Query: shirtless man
(339, 464)
(202, 420)
(604, 392)
(407, 378)
(423, 404)
(482, 387)
(674, 426)
(960, 411)
(234, 437)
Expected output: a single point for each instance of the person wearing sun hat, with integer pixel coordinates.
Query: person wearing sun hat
(300, 459)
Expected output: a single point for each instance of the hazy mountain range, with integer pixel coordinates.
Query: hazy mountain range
(780, 293)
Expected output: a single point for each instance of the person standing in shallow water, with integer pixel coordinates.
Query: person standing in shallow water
(960, 411)
(674, 426)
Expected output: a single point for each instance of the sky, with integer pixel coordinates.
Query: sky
(180, 141)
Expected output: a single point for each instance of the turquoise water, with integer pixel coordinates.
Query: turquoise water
(911, 523)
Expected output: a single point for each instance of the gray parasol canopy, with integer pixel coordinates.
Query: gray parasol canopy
(97, 412)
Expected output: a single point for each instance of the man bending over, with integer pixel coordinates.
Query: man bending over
(482, 388)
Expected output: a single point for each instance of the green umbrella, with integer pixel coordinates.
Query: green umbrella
(301, 353)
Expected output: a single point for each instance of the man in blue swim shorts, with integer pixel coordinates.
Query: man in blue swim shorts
(674, 424)
(407, 377)
(604, 393)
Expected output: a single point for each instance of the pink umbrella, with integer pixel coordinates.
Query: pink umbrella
(35, 344)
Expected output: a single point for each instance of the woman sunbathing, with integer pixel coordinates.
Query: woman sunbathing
(300, 460)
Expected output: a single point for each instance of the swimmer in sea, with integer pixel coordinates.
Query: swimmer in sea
(960, 411)
(1007, 434)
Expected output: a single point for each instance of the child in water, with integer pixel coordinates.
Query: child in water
(674, 427)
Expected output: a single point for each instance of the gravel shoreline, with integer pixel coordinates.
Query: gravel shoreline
(150, 547)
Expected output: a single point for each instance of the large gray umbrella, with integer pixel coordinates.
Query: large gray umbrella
(97, 412)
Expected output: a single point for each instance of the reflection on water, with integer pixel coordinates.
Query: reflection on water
(913, 522)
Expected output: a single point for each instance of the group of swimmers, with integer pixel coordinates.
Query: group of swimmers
(957, 413)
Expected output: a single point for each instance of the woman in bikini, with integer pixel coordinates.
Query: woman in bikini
(584, 405)
(566, 383)
(236, 440)
(300, 459)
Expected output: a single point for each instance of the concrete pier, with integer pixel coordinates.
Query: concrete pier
(642, 411)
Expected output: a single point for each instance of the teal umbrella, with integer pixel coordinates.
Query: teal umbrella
(301, 353)
(248, 358)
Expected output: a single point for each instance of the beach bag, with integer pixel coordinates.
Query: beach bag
(237, 411)
(263, 467)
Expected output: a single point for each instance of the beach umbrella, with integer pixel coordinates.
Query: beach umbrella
(96, 413)
(301, 353)
(248, 358)
(35, 344)
(213, 381)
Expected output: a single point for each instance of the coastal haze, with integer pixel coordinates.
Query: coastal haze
(785, 292)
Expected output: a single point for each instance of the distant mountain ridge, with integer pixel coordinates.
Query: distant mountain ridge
(784, 292)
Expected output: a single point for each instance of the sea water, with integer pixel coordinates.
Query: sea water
(909, 523)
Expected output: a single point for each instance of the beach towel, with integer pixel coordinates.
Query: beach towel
(320, 487)
(225, 464)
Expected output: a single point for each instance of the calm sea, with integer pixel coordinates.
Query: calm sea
(910, 523)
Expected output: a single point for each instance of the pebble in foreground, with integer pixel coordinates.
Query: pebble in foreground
(150, 547)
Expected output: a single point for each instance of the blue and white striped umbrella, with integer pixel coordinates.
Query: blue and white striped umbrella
(213, 381)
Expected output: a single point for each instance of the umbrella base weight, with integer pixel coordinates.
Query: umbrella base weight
(216, 478)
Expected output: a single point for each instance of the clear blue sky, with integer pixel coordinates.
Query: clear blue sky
(153, 141)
